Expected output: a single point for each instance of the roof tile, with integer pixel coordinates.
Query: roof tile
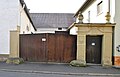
(52, 20)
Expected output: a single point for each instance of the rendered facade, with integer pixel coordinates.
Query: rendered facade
(13, 13)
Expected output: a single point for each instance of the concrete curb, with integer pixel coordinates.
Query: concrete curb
(59, 73)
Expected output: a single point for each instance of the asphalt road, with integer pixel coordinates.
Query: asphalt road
(19, 74)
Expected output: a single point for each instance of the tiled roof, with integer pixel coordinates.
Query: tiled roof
(52, 20)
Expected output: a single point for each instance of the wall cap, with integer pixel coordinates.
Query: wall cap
(95, 24)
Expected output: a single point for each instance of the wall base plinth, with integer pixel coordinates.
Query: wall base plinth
(117, 61)
(15, 61)
(107, 63)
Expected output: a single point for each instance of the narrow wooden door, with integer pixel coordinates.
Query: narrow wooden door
(93, 49)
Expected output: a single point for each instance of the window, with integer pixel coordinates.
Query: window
(27, 28)
(59, 28)
(99, 7)
(88, 16)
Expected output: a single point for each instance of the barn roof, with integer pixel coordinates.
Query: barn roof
(52, 20)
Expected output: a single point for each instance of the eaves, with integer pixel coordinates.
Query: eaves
(85, 5)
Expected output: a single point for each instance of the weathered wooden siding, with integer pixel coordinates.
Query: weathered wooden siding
(59, 47)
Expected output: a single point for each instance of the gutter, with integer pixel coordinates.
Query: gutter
(73, 24)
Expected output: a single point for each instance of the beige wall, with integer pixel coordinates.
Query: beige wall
(95, 29)
(14, 43)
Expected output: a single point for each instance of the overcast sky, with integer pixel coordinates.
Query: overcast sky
(53, 6)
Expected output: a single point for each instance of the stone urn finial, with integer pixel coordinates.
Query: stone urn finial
(80, 17)
(18, 28)
(108, 16)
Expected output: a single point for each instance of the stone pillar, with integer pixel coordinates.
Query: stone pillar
(81, 47)
(14, 57)
(107, 50)
(14, 43)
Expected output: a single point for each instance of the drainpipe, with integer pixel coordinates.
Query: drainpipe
(108, 16)
(109, 6)
(112, 34)
(21, 12)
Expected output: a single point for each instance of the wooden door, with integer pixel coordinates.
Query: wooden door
(32, 48)
(93, 49)
(59, 47)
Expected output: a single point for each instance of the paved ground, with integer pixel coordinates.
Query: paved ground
(19, 74)
(59, 69)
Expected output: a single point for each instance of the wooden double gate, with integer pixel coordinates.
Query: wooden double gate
(58, 47)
